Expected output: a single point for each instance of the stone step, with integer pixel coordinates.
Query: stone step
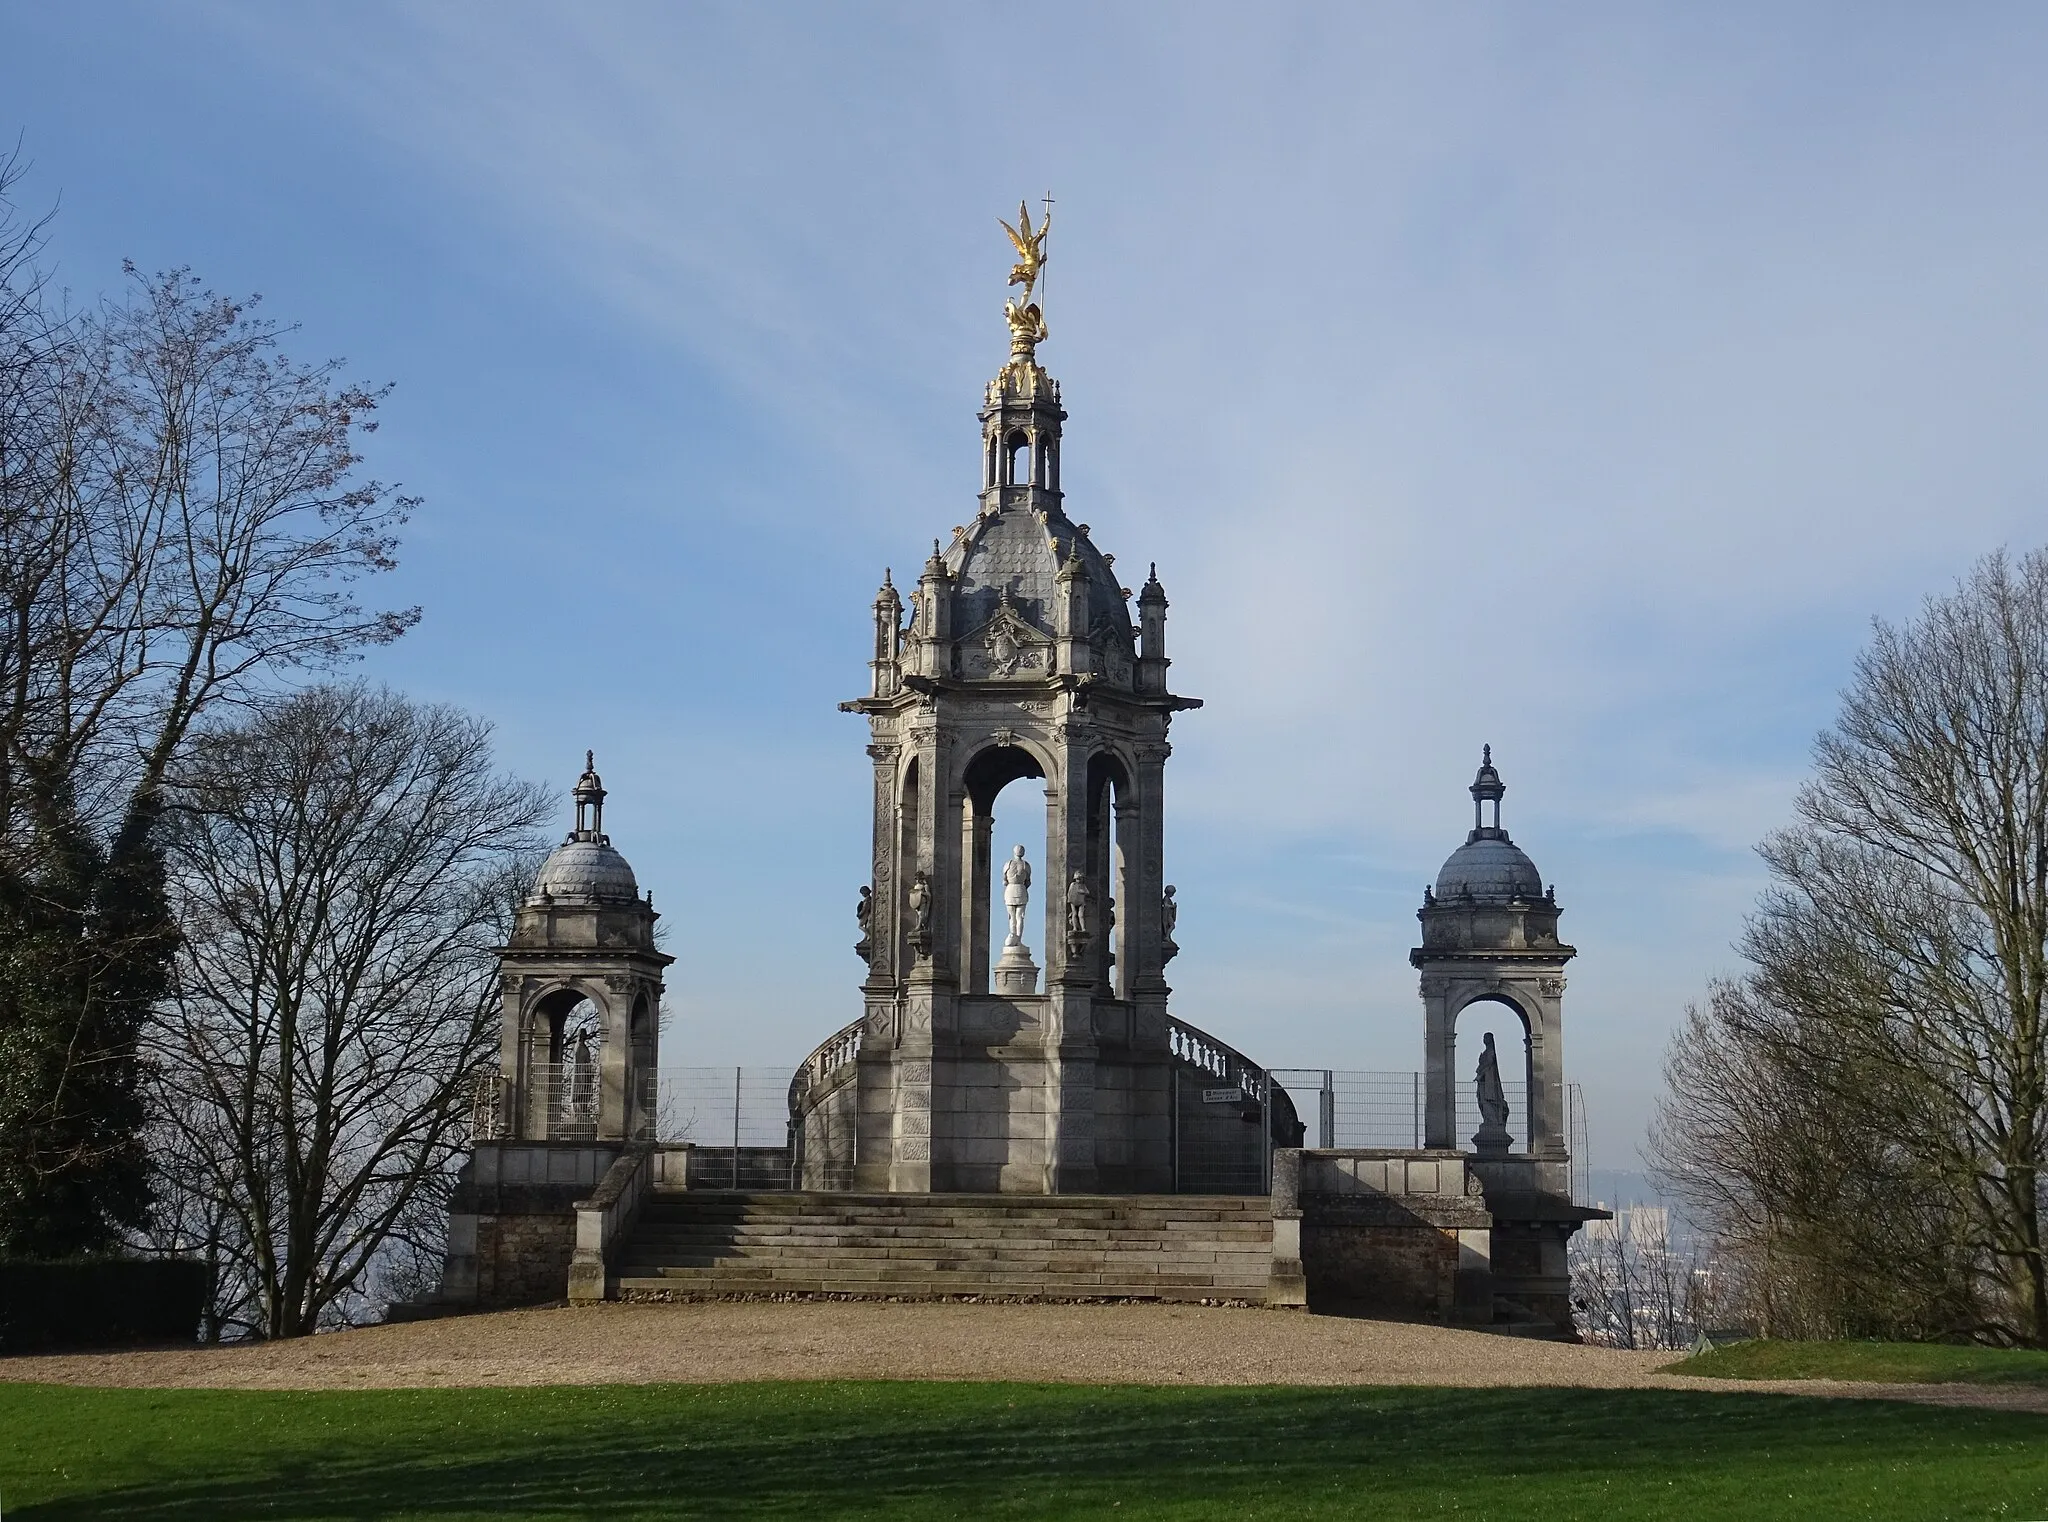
(910, 1269)
(702, 1244)
(857, 1232)
(1121, 1263)
(938, 1286)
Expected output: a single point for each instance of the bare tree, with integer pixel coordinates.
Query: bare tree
(343, 864)
(1868, 1108)
(181, 518)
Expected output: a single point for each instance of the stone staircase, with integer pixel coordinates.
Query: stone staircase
(702, 1244)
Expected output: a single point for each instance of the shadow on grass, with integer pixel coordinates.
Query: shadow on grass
(997, 1451)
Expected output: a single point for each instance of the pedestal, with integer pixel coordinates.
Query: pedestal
(1015, 972)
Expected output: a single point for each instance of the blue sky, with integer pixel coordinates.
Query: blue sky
(1581, 379)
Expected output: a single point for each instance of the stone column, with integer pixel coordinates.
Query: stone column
(614, 1058)
(1069, 1037)
(976, 841)
(1440, 1065)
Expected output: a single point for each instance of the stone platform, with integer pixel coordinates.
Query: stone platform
(700, 1244)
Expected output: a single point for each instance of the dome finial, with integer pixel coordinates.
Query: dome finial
(589, 796)
(1486, 788)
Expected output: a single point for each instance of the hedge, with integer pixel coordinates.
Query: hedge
(100, 1302)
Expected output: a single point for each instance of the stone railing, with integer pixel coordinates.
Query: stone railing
(603, 1220)
(838, 1049)
(1202, 1051)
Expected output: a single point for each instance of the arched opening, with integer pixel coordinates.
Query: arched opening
(564, 1053)
(1017, 470)
(1497, 1016)
(906, 855)
(1112, 859)
(642, 1095)
(989, 836)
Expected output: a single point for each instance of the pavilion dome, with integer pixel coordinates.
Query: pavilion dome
(585, 866)
(1490, 867)
(1018, 553)
(586, 869)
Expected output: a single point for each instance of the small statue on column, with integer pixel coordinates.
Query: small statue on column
(921, 914)
(1169, 917)
(864, 912)
(1080, 916)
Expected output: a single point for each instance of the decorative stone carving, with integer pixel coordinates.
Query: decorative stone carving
(921, 915)
(864, 913)
(1169, 918)
(1080, 915)
(1552, 988)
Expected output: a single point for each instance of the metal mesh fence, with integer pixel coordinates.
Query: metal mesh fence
(723, 1107)
(1353, 1108)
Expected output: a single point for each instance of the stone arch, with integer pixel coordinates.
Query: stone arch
(909, 799)
(643, 1033)
(1114, 865)
(1518, 1003)
(562, 1055)
(984, 773)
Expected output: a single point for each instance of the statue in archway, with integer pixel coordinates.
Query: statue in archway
(1016, 893)
(1493, 1101)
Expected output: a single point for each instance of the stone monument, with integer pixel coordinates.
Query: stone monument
(1020, 660)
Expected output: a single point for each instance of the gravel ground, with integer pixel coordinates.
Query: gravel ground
(1079, 1344)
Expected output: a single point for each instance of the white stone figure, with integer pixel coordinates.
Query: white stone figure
(1016, 893)
(1169, 914)
(920, 904)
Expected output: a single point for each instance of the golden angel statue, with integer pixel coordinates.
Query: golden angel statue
(1030, 248)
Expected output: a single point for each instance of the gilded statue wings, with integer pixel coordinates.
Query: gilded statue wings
(1030, 247)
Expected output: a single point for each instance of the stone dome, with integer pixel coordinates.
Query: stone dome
(586, 869)
(1492, 868)
(1018, 553)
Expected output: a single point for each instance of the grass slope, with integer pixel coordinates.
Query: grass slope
(991, 1451)
(1918, 1363)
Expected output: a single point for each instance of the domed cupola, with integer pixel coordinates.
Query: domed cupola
(1489, 866)
(1489, 895)
(584, 867)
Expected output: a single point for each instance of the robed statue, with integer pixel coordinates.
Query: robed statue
(1493, 1100)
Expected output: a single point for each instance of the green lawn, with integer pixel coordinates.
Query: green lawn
(1919, 1363)
(1003, 1451)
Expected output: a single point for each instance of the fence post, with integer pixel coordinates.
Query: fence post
(1418, 1109)
(735, 1128)
(1326, 1120)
